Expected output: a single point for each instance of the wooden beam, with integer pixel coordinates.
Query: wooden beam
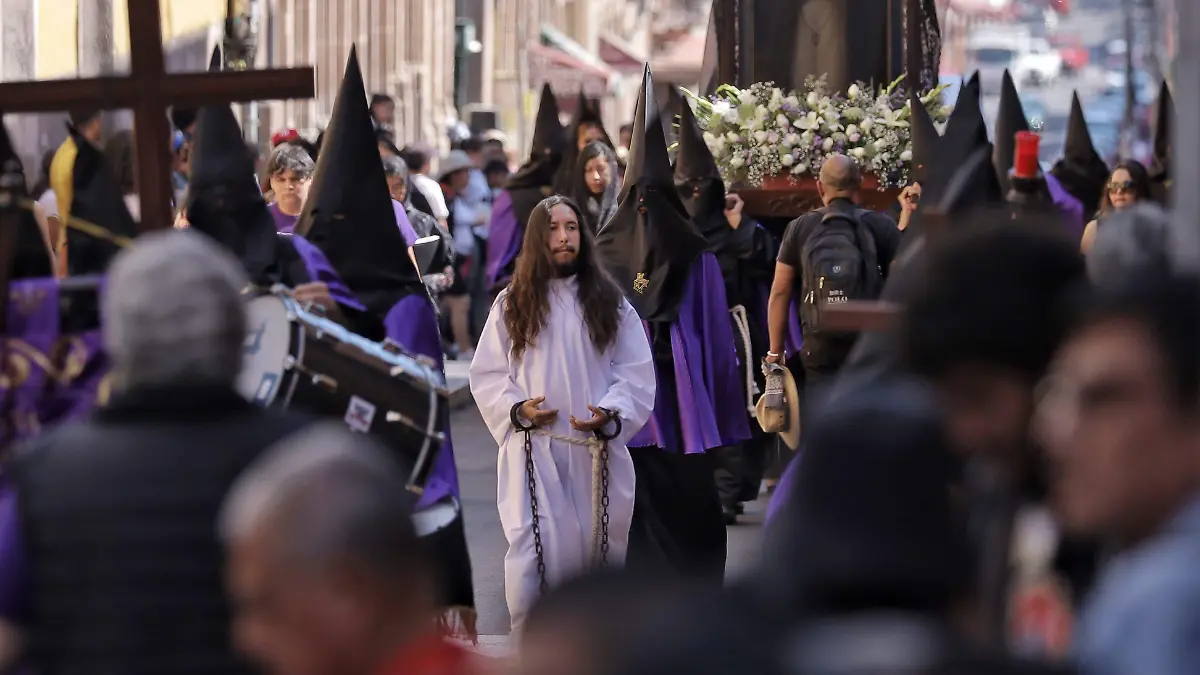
(725, 21)
(859, 315)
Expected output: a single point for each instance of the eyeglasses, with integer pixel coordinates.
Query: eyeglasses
(1124, 187)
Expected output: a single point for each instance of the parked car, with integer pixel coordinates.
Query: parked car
(1039, 64)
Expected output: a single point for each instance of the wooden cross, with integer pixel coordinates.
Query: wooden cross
(149, 91)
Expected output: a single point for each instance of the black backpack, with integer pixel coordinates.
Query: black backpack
(840, 263)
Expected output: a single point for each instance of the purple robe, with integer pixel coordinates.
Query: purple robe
(1073, 214)
(320, 269)
(406, 228)
(46, 392)
(413, 324)
(709, 410)
(14, 565)
(284, 224)
(783, 488)
(504, 238)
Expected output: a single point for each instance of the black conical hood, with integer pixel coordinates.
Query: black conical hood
(966, 126)
(546, 151)
(1009, 120)
(1082, 171)
(672, 112)
(215, 62)
(1160, 164)
(30, 259)
(650, 244)
(697, 178)
(219, 152)
(349, 213)
(96, 198)
(965, 138)
(925, 138)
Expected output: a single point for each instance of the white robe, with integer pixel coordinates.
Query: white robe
(565, 367)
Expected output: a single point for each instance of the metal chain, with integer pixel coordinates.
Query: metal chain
(604, 505)
(533, 509)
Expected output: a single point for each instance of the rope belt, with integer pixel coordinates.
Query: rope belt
(741, 321)
(597, 446)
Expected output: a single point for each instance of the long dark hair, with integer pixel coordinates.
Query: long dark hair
(527, 306)
(1141, 184)
(119, 153)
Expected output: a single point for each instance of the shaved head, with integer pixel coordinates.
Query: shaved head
(840, 177)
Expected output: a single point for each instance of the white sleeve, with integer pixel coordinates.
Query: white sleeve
(49, 203)
(632, 391)
(433, 194)
(492, 386)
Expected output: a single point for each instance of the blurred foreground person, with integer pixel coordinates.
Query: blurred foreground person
(324, 565)
(112, 565)
(1134, 238)
(1121, 421)
(872, 546)
(563, 378)
(984, 334)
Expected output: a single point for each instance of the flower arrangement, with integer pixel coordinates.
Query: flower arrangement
(763, 131)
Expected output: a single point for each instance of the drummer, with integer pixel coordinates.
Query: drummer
(351, 216)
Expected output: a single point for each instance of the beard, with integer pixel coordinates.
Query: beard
(564, 270)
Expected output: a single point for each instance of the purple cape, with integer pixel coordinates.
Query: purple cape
(320, 269)
(708, 412)
(504, 238)
(1071, 208)
(46, 392)
(413, 324)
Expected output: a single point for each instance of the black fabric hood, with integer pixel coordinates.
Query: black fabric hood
(546, 151)
(97, 199)
(1082, 171)
(925, 138)
(697, 178)
(1160, 164)
(30, 259)
(650, 243)
(1009, 121)
(349, 212)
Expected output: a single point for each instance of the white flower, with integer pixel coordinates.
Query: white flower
(813, 99)
(782, 122)
(746, 97)
(866, 125)
(793, 139)
(721, 109)
(799, 169)
(827, 145)
(906, 156)
(731, 137)
(852, 129)
(806, 137)
(808, 122)
(792, 101)
(709, 139)
(854, 137)
(853, 91)
(760, 136)
(858, 152)
(737, 162)
(788, 160)
(880, 144)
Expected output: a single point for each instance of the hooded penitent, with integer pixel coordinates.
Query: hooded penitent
(349, 213)
(587, 115)
(966, 134)
(1009, 120)
(1081, 171)
(97, 199)
(699, 181)
(925, 140)
(30, 255)
(650, 244)
(1160, 164)
(532, 183)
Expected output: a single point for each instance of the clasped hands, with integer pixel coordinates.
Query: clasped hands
(531, 411)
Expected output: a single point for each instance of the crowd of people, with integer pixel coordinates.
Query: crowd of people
(1001, 475)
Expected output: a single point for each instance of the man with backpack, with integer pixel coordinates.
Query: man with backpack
(834, 254)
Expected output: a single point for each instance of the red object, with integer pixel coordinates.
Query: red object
(432, 656)
(285, 136)
(1025, 160)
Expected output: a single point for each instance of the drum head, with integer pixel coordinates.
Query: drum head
(268, 346)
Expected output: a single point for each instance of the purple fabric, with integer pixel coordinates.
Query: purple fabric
(783, 489)
(320, 269)
(1071, 208)
(284, 224)
(45, 392)
(794, 339)
(14, 566)
(708, 412)
(414, 325)
(406, 228)
(504, 238)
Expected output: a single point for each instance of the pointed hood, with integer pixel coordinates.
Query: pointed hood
(1160, 164)
(1082, 171)
(349, 213)
(671, 115)
(974, 184)
(698, 180)
(546, 151)
(97, 199)
(586, 115)
(966, 126)
(650, 244)
(30, 259)
(224, 201)
(215, 61)
(1009, 120)
(925, 138)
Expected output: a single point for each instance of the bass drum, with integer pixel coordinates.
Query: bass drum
(297, 359)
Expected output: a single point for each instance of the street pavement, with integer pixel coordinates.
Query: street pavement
(475, 454)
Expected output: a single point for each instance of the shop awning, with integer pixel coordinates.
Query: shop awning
(619, 55)
(567, 66)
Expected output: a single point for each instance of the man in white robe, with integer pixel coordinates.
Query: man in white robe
(563, 362)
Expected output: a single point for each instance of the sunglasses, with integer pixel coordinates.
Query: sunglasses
(1121, 188)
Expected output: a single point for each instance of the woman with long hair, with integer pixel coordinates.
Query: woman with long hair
(596, 188)
(563, 363)
(1128, 185)
(119, 153)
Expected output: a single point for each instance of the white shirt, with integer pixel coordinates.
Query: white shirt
(49, 203)
(433, 194)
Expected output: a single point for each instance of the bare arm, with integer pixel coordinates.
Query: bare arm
(1089, 237)
(12, 643)
(779, 305)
